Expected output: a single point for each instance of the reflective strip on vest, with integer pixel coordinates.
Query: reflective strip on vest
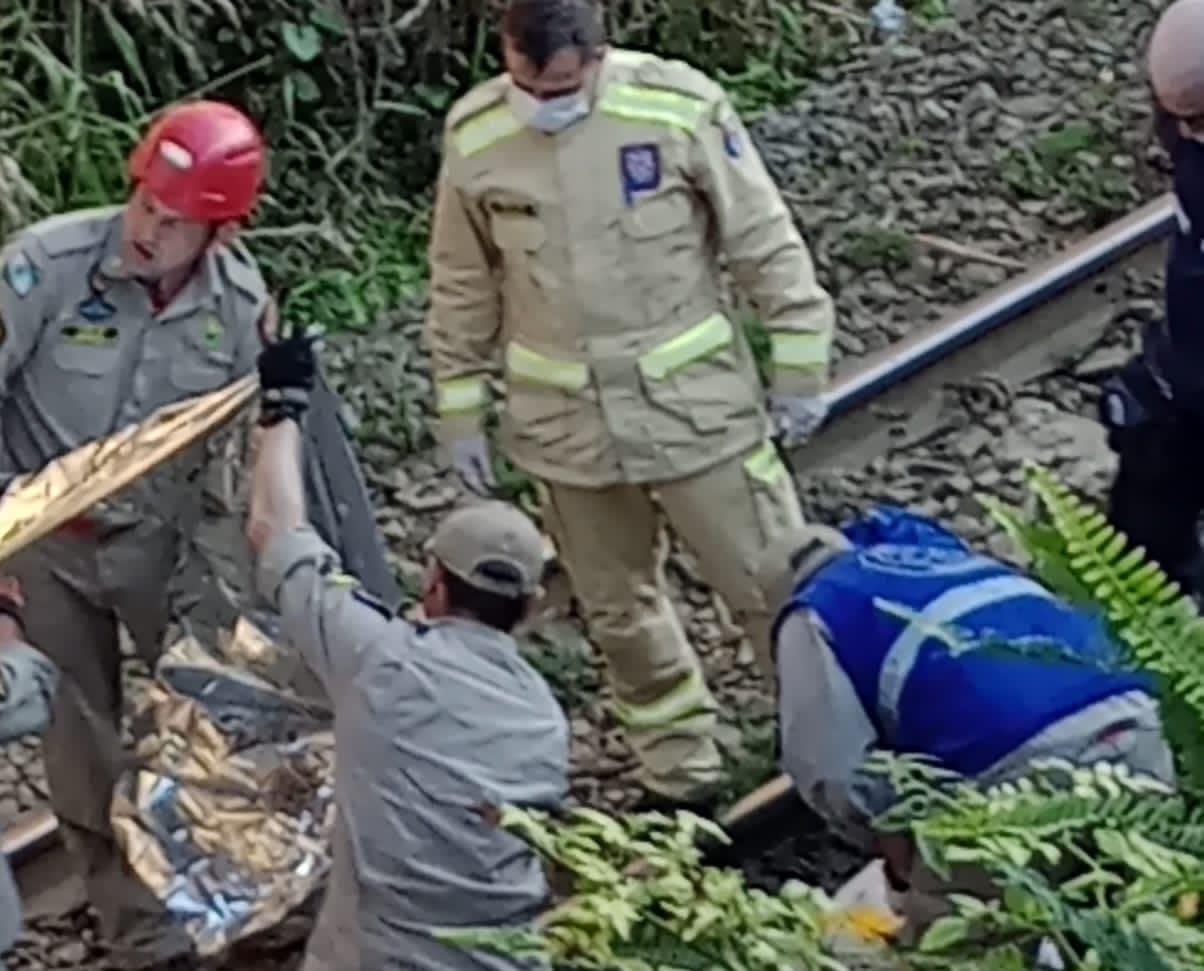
(684, 701)
(461, 396)
(633, 102)
(808, 352)
(486, 129)
(699, 342)
(527, 365)
(765, 465)
(948, 607)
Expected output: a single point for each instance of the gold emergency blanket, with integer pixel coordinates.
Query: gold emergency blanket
(228, 815)
(37, 504)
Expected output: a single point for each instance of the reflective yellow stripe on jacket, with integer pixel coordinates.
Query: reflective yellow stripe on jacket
(697, 343)
(694, 344)
(800, 351)
(461, 396)
(656, 106)
(486, 129)
(534, 368)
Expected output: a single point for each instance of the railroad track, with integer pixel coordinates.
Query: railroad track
(1022, 329)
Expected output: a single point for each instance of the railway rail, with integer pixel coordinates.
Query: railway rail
(1017, 331)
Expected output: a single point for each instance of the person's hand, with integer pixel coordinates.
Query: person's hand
(796, 417)
(287, 371)
(474, 464)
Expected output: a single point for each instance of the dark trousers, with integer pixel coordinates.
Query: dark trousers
(1158, 493)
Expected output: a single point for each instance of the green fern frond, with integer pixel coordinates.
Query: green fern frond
(1081, 555)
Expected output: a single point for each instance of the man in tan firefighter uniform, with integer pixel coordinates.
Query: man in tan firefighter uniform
(107, 316)
(586, 202)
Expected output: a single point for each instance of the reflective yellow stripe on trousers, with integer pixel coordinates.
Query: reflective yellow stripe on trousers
(687, 699)
(765, 465)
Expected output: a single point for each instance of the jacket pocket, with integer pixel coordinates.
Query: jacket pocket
(94, 360)
(702, 376)
(545, 396)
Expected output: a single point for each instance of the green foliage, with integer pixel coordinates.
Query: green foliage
(1096, 858)
(877, 249)
(642, 900)
(1080, 555)
(752, 762)
(1076, 161)
(352, 98)
(563, 657)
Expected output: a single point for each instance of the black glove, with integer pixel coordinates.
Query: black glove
(287, 370)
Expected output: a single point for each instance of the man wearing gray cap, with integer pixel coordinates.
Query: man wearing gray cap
(437, 725)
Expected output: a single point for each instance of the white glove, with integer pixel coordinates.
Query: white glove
(796, 417)
(473, 463)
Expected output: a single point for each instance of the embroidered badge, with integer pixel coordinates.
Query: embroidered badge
(90, 335)
(96, 308)
(640, 167)
(21, 275)
(212, 332)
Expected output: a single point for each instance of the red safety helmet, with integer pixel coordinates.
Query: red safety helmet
(204, 159)
(1176, 58)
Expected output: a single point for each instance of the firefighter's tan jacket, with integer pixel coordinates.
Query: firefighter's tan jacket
(587, 264)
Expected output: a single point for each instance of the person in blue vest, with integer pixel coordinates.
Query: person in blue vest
(895, 634)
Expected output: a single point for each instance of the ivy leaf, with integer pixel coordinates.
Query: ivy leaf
(302, 41)
(943, 934)
(329, 20)
(306, 87)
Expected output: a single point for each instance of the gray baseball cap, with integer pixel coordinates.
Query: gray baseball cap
(492, 546)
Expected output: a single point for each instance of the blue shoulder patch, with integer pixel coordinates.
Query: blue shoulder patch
(96, 308)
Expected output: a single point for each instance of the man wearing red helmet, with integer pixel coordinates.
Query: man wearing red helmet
(107, 315)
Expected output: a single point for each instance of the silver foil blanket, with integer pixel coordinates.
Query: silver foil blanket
(228, 811)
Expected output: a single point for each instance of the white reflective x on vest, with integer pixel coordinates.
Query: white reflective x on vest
(902, 655)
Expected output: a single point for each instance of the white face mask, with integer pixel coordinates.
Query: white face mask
(551, 116)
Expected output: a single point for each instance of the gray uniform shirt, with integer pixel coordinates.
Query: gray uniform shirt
(83, 352)
(432, 724)
(27, 681)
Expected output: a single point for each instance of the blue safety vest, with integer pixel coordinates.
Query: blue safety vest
(951, 653)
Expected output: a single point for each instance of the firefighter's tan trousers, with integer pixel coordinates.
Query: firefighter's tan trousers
(606, 539)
